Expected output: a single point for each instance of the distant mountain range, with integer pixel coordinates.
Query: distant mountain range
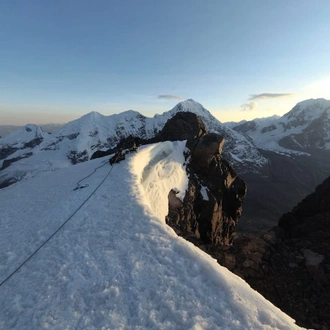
(8, 129)
(282, 159)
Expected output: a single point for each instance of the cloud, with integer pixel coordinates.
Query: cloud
(170, 97)
(249, 106)
(265, 96)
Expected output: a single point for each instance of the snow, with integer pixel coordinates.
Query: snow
(115, 264)
(204, 194)
(159, 169)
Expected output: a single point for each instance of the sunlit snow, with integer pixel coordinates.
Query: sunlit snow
(115, 264)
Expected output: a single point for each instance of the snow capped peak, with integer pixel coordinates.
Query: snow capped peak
(93, 113)
(190, 102)
(319, 102)
(191, 106)
(309, 108)
(89, 117)
(23, 135)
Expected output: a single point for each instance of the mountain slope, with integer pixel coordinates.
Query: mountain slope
(306, 128)
(297, 147)
(115, 264)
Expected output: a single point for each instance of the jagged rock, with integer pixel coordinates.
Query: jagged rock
(6, 151)
(125, 143)
(213, 202)
(203, 150)
(182, 126)
(77, 157)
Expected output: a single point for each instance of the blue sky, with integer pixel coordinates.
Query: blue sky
(240, 59)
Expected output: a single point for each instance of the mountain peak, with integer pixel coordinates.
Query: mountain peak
(92, 115)
(191, 105)
(23, 135)
(309, 109)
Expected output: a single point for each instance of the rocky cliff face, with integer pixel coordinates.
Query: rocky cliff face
(213, 202)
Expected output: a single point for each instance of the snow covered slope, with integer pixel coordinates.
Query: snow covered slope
(115, 264)
(17, 146)
(304, 129)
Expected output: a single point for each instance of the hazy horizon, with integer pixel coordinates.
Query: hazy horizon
(45, 123)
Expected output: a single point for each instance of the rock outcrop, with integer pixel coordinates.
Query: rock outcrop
(182, 126)
(213, 202)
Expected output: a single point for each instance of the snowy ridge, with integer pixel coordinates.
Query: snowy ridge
(306, 126)
(115, 265)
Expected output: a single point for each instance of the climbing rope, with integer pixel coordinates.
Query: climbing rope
(79, 186)
(63, 224)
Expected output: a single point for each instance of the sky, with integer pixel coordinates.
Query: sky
(240, 59)
(114, 264)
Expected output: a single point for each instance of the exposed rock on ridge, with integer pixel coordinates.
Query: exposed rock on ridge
(213, 202)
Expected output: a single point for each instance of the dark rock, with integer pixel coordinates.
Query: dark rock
(182, 126)
(31, 144)
(213, 202)
(5, 152)
(7, 162)
(77, 157)
(9, 181)
(230, 260)
(268, 128)
(125, 143)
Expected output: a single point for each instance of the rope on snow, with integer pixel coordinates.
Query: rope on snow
(63, 224)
